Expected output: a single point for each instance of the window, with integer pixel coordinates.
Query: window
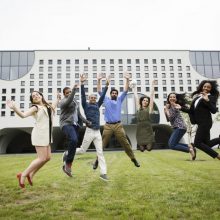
(146, 75)
(111, 61)
(163, 68)
(102, 68)
(3, 113)
(50, 68)
(3, 91)
(94, 75)
(41, 76)
(189, 82)
(102, 61)
(111, 68)
(31, 83)
(50, 90)
(31, 76)
(94, 89)
(145, 61)
(173, 89)
(172, 82)
(170, 61)
(49, 83)
(120, 61)
(22, 90)
(138, 75)
(50, 97)
(162, 61)
(59, 62)
(68, 75)
(50, 62)
(59, 69)
(77, 68)
(76, 75)
(129, 68)
(146, 82)
(41, 90)
(146, 68)
(112, 82)
(94, 61)
(197, 82)
(22, 83)
(154, 75)
(31, 90)
(164, 95)
(187, 68)
(181, 89)
(171, 68)
(164, 89)
(120, 68)
(3, 98)
(154, 61)
(67, 83)
(121, 82)
(189, 88)
(68, 68)
(156, 96)
(21, 105)
(147, 89)
(112, 75)
(85, 68)
(41, 62)
(94, 68)
(21, 98)
(156, 89)
(180, 75)
(163, 75)
(76, 61)
(179, 61)
(188, 75)
(67, 62)
(171, 75)
(137, 61)
(154, 68)
(138, 68)
(49, 76)
(41, 69)
(13, 90)
(94, 82)
(58, 75)
(3, 106)
(179, 68)
(128, 61)
(58, 83)
(41, 83)
(120, 75)
(164, 82)
(181, 82)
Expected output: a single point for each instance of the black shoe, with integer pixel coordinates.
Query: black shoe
(135, 162)
(194, 149)
(142, 148)
(95, 164)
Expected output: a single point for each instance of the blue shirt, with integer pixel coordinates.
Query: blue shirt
(113, 108)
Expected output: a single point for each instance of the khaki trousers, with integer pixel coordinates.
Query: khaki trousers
(119, 132)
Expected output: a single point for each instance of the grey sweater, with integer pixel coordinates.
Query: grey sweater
(69, 108)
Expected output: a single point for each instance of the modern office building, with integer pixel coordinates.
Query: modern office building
(22, 72)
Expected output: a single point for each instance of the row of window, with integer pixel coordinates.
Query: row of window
(112, 68)
(104, 61)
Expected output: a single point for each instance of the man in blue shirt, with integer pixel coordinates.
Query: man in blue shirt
(113, 120)
(92, 133)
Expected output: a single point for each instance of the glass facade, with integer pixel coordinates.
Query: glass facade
(15, 64)
(206, 63)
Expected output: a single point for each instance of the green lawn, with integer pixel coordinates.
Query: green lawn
(166, 186)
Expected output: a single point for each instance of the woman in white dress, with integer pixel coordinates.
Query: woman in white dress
(41, 135)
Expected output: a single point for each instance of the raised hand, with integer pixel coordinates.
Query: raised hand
(108, 79)
(11, 104)
(100, 76)
(83, 78)
(127, 76)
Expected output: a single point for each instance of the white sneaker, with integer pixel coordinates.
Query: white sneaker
(104, 177)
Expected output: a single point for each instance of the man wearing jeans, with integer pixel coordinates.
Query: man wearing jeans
(69, 124)
(113, 120)
(92, 133)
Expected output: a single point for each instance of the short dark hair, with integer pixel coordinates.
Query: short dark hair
(113, 90)
(64, 89)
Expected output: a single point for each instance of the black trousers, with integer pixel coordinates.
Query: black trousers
(202, 140)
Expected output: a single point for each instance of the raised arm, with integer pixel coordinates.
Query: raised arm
(102, 97)
(29, 112)
(127, 78)
(136, 101)
(151, 104)
(83, 78)
(99, 78)
(55, 103)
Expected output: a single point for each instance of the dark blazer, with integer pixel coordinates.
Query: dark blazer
(202, 113)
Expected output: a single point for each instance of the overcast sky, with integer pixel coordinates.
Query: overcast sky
(110, 24)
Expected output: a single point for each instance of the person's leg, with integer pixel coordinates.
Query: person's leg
(35, 165)
(122, 139)
(71, 134)
(99, 149)
(202, 134)
(87, 140)
(106, 135)
(175, 137)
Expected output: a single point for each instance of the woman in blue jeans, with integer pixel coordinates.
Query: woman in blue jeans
(172, 112)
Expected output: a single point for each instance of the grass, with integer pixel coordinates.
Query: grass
(166, 186)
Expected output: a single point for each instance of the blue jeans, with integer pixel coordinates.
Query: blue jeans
(175, 137)
(71, 135)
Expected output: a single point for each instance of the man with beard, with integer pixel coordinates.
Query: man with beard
(113, 120)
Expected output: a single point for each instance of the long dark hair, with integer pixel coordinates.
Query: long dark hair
(142, 98)
(180, 98)
(214, 90)
(43, 100)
